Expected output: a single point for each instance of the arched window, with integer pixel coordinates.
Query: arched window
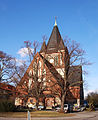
(44, 71)
(39, 68)
(30, 82)
(55, 60)
(30, 73)
(61, 58)
(34, 68)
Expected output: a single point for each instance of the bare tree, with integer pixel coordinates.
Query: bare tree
(7, 74)
(19, 67)
(31, 49)
(30, 83)
(6, 65)
(38, 82)
(18, 72)
(33, 82)
(73, 57)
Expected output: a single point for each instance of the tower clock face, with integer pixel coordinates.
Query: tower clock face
(51, 60)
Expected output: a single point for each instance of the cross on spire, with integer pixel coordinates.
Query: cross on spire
(55, 21)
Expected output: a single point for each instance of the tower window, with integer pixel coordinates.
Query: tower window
(60, 58)
(56, 60)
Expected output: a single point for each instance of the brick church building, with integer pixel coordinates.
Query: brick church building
(42, 75)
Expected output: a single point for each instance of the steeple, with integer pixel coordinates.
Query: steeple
(43, 48)
(55, 42)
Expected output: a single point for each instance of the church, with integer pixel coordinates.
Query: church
(41, 82)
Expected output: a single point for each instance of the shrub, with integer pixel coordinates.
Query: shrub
(6, 106)
(92, 98)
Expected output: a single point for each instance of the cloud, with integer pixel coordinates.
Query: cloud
(23, 52)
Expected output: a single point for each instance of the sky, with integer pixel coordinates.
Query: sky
(22, 20)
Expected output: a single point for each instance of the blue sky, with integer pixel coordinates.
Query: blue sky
(22, 20)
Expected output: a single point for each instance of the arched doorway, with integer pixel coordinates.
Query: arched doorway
(49, 102)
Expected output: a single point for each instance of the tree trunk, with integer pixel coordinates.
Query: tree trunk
(44, 102)
(37, 103)
(62, 103)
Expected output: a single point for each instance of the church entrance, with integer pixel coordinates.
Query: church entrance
(49, 103)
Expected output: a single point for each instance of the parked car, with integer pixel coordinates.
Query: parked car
(79, 109)
(57, 108)
(82, 108)
(34, 107)
(40, 107)
(67, 108)
(70, 108)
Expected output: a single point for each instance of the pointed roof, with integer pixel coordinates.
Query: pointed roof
(61, 45)
(55, 42)
(43, 48)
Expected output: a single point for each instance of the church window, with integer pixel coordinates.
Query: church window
(44, 84)
(60, 58)
(61, 71)
(39, 64)
(30, 82)
(56, 60)
(24, 81)
(47, 58)
(51, 60)
(44, 79)
(39, 68)
(44, 71)
(30, 73)
(34, 68)
(39, 80)
(49, 80)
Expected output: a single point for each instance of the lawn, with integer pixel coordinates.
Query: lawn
(35, 114)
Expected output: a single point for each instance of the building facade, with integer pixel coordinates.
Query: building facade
(7, 92)
(45, 71)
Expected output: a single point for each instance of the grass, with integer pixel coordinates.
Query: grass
(34, 114)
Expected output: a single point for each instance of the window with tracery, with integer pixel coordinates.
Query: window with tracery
(61, 58)
(30, 83)
(56, 60)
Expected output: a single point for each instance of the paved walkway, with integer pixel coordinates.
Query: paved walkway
(78, 116)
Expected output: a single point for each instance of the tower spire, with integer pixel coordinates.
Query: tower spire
(55, 21)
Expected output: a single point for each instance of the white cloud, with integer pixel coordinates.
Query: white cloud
(23, 52)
